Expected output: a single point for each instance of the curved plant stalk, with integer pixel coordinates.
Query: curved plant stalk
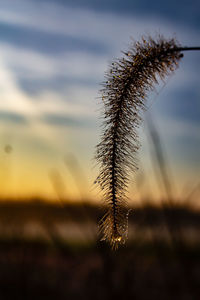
(124, 94)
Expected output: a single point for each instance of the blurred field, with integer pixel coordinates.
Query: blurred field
(49, 251)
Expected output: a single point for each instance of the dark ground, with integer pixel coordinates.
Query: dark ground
(161, 259)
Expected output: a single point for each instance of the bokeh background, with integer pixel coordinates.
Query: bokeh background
(53, 56)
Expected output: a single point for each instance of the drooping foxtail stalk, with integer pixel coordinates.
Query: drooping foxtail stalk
(124, 94)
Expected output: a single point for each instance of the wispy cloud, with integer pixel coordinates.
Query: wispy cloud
(11, 97)
(66, 120)
(31, 64)
(12, 118)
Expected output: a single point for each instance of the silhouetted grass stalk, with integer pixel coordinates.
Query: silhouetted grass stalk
(124, 92)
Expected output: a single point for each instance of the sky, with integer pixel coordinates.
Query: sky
(53, 56)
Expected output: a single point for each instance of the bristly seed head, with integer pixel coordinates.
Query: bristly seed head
(123, 94)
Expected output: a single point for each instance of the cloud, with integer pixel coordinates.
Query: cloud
(183, 11)
(13, 118)
(33, 65)
(46, 42)
(66, 120)
(13, 99)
